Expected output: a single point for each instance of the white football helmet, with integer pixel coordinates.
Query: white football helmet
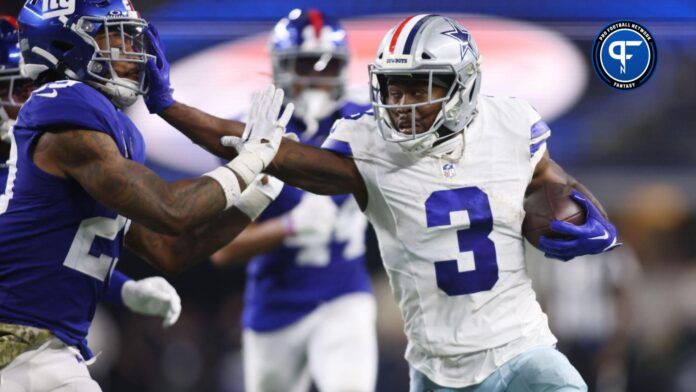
(436, 49)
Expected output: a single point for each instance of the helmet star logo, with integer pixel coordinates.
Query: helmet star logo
(460, 35)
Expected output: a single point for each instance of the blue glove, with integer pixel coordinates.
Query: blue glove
(596, 236)
(159, 95)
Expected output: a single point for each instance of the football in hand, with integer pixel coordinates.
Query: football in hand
(551, 201)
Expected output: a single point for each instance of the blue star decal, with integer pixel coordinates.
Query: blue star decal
(460, 35)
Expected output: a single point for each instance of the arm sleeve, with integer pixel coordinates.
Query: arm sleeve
(339, 140)
(539, 132)
(113, 290)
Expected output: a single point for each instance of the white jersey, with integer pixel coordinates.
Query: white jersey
(449, 224)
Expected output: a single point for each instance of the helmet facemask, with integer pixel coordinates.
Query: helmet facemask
(448, 120)
(123, 42)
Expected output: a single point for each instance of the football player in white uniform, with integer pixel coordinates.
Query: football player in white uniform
(441, 173)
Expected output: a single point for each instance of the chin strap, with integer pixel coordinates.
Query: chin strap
(121, 96)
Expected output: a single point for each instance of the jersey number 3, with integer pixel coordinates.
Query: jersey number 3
(473, 239)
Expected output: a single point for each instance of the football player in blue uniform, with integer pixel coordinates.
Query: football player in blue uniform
(308, 280)
(77, 191)
(150, 296)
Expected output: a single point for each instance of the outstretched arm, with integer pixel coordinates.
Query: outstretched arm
(312, 169)
(202, 128)
(318, 171)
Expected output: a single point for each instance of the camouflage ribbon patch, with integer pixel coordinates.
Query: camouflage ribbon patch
(17, 339)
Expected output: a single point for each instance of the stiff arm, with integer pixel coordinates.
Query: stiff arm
(312, 169)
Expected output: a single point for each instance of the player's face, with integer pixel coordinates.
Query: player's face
(408, 92)
(126, 43)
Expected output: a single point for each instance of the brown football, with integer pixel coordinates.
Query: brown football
(551, 201)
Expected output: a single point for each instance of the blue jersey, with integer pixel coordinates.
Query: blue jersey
(289, 282)
(58, 246)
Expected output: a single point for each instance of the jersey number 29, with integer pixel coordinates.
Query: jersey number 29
(473, 239)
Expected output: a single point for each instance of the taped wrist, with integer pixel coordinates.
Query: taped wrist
(229, 183)
(247, 165)
(253, 202)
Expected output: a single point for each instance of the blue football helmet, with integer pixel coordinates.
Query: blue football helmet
(309, 52)
(61, 36)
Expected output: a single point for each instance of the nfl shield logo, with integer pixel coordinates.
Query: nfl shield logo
(449, 170)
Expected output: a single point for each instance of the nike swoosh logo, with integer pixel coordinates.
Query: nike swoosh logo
(52, 94)
(601, 237)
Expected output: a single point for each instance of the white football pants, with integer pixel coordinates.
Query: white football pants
(52, 367)
(335, 345)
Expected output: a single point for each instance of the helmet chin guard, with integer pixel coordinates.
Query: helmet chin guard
(432, 49)
(120, 95)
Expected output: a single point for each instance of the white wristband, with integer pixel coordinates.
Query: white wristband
(229, 183)
(253, 202)
(247, 165)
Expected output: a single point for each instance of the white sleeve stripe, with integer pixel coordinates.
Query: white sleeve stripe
(541, 137)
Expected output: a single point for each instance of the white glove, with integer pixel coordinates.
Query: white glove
(259, 195)
(262, 134)
(311, 222)
(153, 297)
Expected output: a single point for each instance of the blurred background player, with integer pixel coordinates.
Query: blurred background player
(76, 191)
(309, 311)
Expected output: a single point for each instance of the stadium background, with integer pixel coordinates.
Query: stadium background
(634, 149)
